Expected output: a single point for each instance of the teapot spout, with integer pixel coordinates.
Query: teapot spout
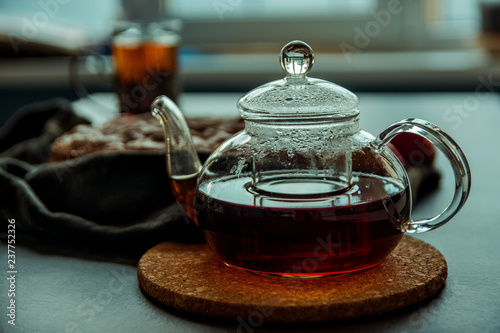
(183, 163)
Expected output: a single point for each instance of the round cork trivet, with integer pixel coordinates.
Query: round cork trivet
(192, 278)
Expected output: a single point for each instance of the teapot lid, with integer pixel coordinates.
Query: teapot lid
(298, 96)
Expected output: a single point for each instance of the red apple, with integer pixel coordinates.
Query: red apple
(397, 153)
(415, 149)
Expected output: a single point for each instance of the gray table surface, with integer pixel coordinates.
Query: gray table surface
(58, 290)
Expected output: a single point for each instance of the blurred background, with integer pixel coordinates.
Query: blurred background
(61, 48)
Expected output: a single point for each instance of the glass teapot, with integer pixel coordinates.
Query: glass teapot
(302, 191)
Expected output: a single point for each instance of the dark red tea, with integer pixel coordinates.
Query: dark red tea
(303, 236)
(184, 190)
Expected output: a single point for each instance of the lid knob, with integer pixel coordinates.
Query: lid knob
(296, 58)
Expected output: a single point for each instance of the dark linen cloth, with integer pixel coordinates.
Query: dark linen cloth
(109, 198)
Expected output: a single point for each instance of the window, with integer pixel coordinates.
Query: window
(411, 24)
(388, 24)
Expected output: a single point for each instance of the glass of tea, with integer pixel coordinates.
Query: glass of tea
(146, 65)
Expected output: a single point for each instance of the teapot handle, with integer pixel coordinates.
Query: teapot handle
(454, 154)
